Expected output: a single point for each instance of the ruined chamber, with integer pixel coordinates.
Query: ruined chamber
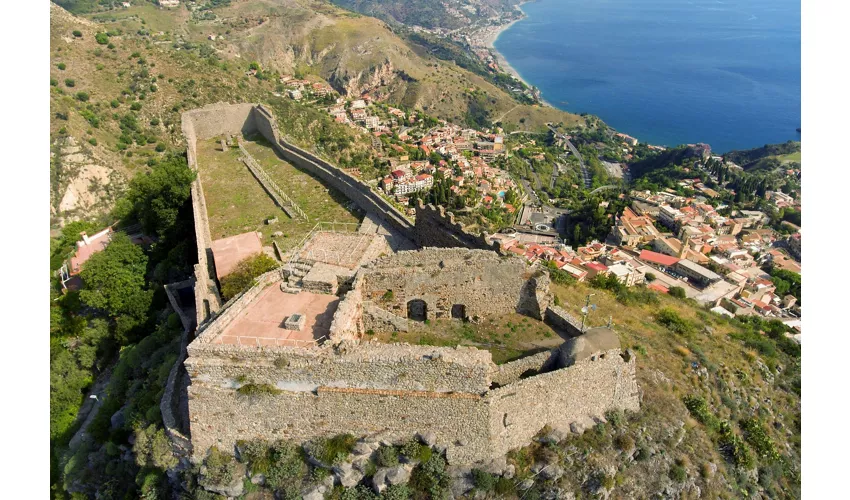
(340, 383)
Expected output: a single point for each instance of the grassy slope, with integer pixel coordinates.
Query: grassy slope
(735, 380)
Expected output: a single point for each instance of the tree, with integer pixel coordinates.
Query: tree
(156, 197)
(114, 279)
(242, 277)
(678, 292)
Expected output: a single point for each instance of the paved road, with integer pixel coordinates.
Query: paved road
(572, 147)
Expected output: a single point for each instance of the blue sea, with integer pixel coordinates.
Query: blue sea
(723, 72)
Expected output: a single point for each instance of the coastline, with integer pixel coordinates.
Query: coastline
(490, 42)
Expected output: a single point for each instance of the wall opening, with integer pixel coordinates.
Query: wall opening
(459, 311)
(417, 310)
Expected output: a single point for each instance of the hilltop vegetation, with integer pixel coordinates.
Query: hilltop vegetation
(767, 157)
(117, 89)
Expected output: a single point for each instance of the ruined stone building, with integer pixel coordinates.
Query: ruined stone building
(291, 359)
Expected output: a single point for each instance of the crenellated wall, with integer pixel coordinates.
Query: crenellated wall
(437, 228)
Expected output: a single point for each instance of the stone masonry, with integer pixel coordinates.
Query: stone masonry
(476, 409)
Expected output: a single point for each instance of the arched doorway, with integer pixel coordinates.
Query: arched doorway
(417, 310)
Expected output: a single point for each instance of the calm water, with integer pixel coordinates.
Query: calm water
(667, 71)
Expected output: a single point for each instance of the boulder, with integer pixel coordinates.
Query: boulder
(461, 485)
(347, 475)
(399, 474)
(379, 481)
(428, 438)
(317, 493)
(259, 479)
(363, 448)
(233, 488)
(576, 427)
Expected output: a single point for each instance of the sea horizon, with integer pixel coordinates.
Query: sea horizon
(722, 73)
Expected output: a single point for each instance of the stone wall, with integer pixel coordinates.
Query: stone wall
(354, 189)
(379, 320)
(202, 124)
(347, 322)
(437, 228)
(521, 368)
(482, 282)
(560, 319)
(579, 393)
(395, 391)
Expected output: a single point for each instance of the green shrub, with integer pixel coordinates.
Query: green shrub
(333, 450)
(221, 468)
(136, 106)
(624, 442)
(286, 466)
(615, 417)
(414, 450)
(756, 435)
(61, 66)
(258, 389)
(243, 275)
(675, 323)
(69, 82)
(699, 409)
(396, 492)
(114, 103)
(733, 447)
(650, 277)
(387, 456)
(77, 33)
(82, 96)
(102, 38)
(483, 481)
(387, 296)
(54, 82)
(256, 455)
(430, 477)
(678, 473)
(93, 141)
(160, 147)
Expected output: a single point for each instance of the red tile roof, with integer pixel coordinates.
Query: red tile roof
(657, 258)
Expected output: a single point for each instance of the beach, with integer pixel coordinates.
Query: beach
(489, 38)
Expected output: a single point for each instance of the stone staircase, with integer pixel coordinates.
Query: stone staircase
(293, 275)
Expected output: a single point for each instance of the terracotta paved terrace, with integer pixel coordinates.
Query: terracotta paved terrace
(261, 323)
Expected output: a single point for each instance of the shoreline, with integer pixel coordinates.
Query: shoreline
(504, 65)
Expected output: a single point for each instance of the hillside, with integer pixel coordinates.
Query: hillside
(115, 104)
(430, 14)
(768, 157)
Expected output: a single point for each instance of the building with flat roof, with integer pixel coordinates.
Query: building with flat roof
(696, 272)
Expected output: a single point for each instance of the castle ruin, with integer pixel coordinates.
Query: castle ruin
(290, 358)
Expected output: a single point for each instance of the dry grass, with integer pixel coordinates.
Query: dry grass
(237, 203)
(507, 337)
